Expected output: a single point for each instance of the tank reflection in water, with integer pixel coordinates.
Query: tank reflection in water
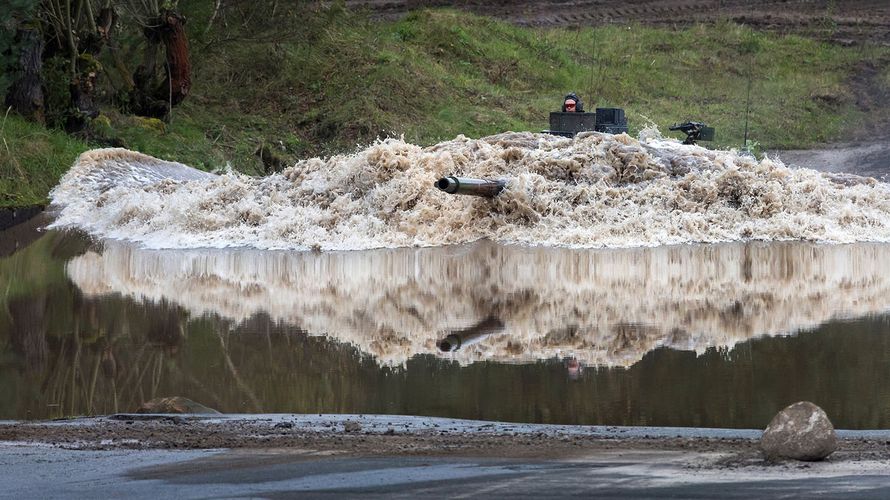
(685, 335)
(602, 307)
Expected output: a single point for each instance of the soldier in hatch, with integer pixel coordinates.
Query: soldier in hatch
(572, 103)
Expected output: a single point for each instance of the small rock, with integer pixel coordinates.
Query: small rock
(284, 425)
(175, 404)
(390, 432)
(801, 431)
(351, 426)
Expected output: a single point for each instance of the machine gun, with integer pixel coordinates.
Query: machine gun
(695, 131)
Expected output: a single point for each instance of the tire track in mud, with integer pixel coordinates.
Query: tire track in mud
(853, 21)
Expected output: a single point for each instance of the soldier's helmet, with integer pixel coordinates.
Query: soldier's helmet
(572, 98)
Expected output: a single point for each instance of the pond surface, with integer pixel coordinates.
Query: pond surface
(693, 335)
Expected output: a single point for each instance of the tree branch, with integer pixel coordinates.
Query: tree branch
(71, 45)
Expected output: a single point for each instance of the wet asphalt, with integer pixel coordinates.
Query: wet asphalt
(31, 471)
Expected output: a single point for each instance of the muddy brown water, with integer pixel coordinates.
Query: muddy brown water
(692, 335)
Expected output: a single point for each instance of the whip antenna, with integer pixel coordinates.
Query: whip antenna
(747, 111)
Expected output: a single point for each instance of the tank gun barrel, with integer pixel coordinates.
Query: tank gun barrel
(485, 188)
(457, 339)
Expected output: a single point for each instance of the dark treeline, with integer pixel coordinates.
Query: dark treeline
(63, 60)
(57, 51)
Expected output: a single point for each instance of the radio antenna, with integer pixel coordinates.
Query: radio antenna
(747, 111)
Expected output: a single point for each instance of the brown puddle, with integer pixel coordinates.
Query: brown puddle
(693, 335)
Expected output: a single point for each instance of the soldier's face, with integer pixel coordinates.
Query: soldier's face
(570, 105)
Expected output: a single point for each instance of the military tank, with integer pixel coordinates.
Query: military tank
(567, 124)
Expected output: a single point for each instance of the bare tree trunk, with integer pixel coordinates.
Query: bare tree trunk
(179, 68)
(145, 79)
(105, 25)
(85, 108)
(151, 97)
(25, 95)
(218, 4)
(72, 45)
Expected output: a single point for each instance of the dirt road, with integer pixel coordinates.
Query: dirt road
(867, 159)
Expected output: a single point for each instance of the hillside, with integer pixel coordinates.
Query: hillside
(853, 21)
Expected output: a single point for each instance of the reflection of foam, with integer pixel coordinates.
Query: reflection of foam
(605, 307)
(596, 190)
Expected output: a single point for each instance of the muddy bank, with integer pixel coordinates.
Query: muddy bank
(870, 159)
(394, 435)
(14, 216)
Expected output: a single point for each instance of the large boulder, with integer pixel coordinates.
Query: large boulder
(801, 431)
(175, 404)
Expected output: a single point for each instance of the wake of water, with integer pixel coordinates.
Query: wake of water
(596, 190)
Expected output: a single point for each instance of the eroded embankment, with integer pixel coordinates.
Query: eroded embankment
(596, 190)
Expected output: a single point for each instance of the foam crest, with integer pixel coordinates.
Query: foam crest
(596, 190)
(508, 303)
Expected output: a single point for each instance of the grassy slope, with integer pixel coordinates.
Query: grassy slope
(32, 159)
(341, 80)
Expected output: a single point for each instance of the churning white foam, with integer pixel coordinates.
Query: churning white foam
(596, 190)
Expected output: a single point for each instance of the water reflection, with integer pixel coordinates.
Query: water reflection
(509, 304)
(93, 329)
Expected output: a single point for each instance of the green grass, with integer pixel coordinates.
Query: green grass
(439, 73)
(32, 159)
(884, 79)
(341, 81)
(797, 90)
